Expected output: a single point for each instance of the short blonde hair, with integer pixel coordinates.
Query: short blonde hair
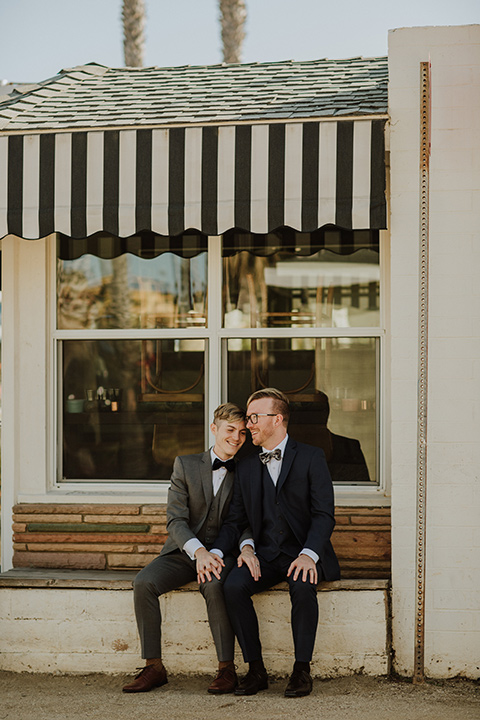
(281, 404)
(228, 412)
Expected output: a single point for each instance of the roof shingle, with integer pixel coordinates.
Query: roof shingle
(93, 96)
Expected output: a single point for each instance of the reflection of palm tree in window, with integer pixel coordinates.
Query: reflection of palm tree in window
(77, 304)
(120, 295)
(246, 287)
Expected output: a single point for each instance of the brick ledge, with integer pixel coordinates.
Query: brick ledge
(122, 580)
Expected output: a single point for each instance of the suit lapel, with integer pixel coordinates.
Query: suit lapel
(225, 492)
(256, 493)
(206, 476)
(288, 458)
(256, 476)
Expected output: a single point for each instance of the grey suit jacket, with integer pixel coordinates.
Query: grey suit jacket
(189, 497)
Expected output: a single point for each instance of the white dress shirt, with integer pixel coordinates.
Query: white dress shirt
(274, 466)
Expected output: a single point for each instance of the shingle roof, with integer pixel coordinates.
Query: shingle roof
(92, 95)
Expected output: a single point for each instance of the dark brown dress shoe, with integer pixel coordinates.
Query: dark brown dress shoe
(300, 684)
(147, 679)
(225, 682)
(252, 683)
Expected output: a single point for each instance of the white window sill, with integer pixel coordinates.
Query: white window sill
(157, 494)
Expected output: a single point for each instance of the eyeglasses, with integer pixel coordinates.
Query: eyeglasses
(253, 418)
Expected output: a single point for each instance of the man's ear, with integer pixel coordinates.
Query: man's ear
(213, 428)
(278, 421)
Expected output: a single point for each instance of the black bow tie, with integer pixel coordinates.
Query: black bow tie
(229, 464)
(265, 457)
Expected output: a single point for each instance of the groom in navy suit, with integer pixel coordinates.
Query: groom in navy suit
(285, 494)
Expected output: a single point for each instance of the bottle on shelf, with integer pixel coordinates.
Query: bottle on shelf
(91, 404)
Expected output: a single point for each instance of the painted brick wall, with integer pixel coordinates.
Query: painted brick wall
(452, 628)
(119, 537)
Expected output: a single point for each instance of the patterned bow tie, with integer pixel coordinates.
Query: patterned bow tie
(265, 457)
(229, 464)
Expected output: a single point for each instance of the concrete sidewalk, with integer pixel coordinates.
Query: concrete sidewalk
(47, 697)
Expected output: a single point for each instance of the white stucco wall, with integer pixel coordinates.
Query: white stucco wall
(80, 630)
(452, 629)
(24, 376)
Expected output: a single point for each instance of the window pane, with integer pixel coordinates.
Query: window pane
(301, 280)
(331, 384)
(164, 290)
(130, 406)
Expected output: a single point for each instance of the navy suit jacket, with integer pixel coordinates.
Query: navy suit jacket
(305, 495)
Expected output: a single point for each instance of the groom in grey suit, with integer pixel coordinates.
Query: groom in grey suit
(201, 487)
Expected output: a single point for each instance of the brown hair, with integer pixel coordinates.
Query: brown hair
(228, 412)
(281, 404)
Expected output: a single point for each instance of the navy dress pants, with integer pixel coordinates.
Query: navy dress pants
(239, 588)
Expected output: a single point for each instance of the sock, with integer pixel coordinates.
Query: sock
(302, 666)
(257, 666)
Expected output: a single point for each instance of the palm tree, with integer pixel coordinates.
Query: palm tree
(133, 16)
(233, 14)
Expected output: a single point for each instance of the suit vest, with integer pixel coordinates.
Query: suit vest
(276, 535)
(213, 522)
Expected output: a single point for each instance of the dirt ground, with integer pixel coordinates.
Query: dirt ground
(48, 697)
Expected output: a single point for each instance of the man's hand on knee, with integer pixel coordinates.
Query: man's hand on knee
(247, 557)
(305, 565)
(208, 564)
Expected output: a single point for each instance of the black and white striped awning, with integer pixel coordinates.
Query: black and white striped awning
(258, 177)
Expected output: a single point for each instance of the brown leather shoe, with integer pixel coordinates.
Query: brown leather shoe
(147, 679)
(225, 682)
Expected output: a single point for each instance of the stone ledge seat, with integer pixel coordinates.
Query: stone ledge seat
(87, 625)
(122, 580)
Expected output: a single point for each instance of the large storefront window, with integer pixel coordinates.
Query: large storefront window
(145, 352)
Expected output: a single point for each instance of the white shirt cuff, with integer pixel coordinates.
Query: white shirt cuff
(191, 547)
(248, 541)
(311, 554)
(216, 551)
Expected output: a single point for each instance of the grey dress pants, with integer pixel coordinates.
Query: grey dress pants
(169, 572)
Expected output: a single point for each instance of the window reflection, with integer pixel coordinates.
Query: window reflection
(332, 390)
(131, 406)
(324, 279)
(165, 289)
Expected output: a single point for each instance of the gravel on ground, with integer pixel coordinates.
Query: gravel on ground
(74, 697)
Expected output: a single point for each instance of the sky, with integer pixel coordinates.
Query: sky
(40, 37)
